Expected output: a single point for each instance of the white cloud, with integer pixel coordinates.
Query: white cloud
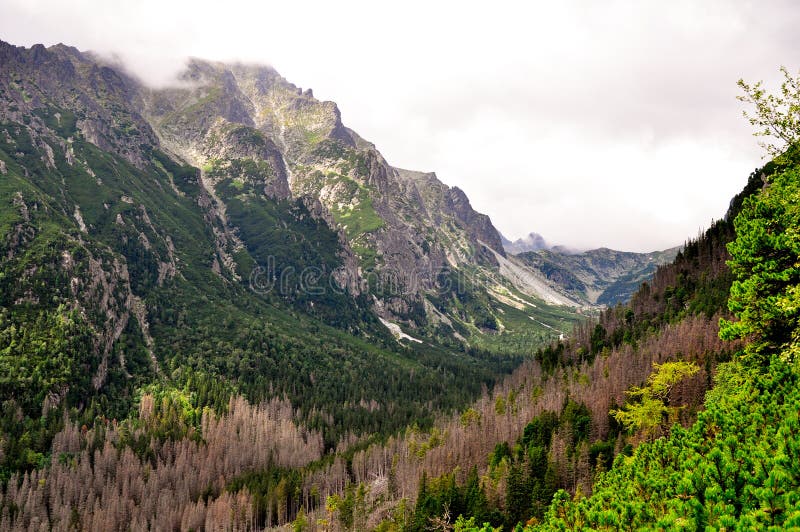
(591, 123)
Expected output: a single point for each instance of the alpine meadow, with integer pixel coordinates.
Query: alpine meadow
(221, 308)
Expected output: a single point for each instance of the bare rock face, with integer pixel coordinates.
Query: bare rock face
(478, 225)
(97, 95)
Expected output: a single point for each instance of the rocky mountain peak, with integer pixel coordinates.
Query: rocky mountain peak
(531, 242)
(95, 97)
(479, 225)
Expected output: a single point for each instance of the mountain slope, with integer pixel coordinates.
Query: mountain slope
(251, 132)
(409, 244)
(736, 466)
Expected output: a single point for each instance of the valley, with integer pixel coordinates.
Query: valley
(222, 308)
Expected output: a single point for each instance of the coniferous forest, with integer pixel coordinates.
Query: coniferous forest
(154, 375)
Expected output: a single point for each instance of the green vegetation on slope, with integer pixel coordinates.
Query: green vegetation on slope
(212, 336)
(738, 466)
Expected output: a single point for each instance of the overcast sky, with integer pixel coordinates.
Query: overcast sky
(593, 123)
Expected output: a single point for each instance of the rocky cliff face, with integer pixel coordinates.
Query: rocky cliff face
(96, 98)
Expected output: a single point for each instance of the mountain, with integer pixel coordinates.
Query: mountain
(264, 147)
(405, 238)
(599, 276)
(257, 137)
(230, 236)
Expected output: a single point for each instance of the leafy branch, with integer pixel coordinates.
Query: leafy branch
(776, 116)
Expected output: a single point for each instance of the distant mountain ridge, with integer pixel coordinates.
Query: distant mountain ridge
(599, 276)
(534, 242)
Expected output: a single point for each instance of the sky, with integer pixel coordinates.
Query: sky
(592, 123)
